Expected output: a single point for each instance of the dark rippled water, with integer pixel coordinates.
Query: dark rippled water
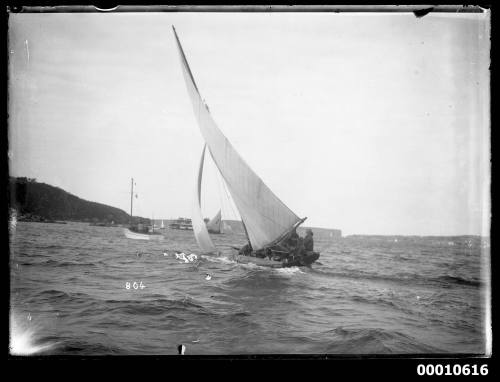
(364, 296)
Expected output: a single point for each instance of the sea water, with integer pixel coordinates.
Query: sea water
(79, 289)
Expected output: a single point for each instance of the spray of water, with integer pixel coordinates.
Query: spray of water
(219, 259)
(288, 271)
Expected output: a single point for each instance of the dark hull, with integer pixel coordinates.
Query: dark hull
(305, 260)
(302, 261)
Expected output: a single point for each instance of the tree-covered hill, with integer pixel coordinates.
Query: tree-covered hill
(30, 198)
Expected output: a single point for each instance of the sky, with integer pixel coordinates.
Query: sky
(368, 123)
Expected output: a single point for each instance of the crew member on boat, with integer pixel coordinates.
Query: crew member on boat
(308, 241)
(246, 250)
(293, 240)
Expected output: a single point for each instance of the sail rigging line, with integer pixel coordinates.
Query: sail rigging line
(199, 227)
(220, 195)
(226, 211)
(280, 237)
(131, 200)
(228, 196)
(262, 184)
(217, 176)
(265, 216)
(246, 232)
(285, 234)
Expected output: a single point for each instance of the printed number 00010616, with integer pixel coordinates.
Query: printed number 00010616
(448, 369)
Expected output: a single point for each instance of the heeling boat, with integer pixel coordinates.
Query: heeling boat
(215, 224)
(267, 221)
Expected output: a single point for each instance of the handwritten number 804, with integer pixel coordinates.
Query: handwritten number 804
(134, 285)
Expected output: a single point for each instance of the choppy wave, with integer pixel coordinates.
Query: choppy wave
(362, 297)
(378, 341)
(459, 280)
(403, 278)
(56, 263)
(80, 347)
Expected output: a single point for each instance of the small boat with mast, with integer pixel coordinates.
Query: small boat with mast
(139, 230)
(268, 223)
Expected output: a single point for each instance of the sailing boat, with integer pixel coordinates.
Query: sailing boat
(215, 225)
(267, 221)
(139, 231)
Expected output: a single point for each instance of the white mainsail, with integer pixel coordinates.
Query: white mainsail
(266, 218)
(199, 228)
(215, 224)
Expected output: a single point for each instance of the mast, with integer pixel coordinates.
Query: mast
(131, 199)
(246, 233)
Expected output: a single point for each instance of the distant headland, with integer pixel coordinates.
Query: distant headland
(41, 202)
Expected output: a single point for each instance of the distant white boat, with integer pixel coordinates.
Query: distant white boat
(139, 231)
(135, 235)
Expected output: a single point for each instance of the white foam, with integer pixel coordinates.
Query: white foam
(253, 266)
(181, 256)
(288, 271)
(219, 259)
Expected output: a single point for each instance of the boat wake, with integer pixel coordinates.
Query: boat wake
(288, 271)
(219, 259)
